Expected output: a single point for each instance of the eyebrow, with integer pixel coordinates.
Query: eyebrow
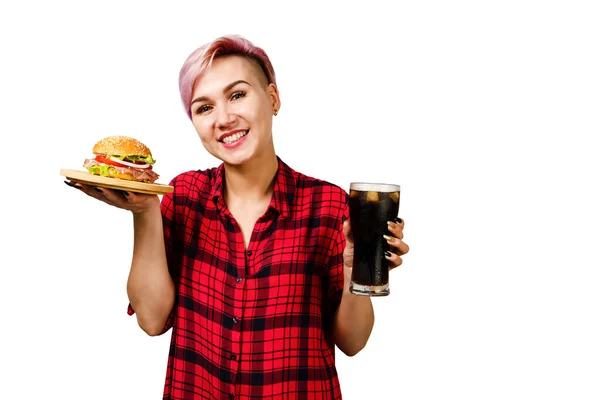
(225, 90)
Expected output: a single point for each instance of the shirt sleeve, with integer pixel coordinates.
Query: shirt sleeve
(336, 261)
(167, 208)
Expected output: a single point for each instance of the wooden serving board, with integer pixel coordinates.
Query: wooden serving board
(115, 183)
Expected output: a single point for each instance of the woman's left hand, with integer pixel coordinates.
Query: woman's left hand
(398, 247)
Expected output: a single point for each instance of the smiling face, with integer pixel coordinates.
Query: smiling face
(232, 109)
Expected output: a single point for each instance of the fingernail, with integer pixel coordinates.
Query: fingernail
(388, 238)
(398, 220)
(391, 224)
(388, 253)
(72, 185)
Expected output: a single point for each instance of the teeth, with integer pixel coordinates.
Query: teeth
(234, 138)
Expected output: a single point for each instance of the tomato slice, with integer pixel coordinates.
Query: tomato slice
(108, 161)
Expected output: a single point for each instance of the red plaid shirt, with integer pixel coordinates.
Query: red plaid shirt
(254, 323)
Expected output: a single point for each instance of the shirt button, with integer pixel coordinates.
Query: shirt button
(249, 252)
(239, 280)
(233, 357)
(235, 320)
(231, 396)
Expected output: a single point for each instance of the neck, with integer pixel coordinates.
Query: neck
(252, 181)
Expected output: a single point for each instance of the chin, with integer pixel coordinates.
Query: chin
(237, 159)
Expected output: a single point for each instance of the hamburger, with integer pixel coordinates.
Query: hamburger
(122, 157)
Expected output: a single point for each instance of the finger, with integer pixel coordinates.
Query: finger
(347, 230)
(396, 227)
(91, 191)
(394, 259)
(73, 185)
(98, 194)
(397, 244)
(116, 197)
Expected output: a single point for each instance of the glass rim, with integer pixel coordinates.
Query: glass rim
(374, 187)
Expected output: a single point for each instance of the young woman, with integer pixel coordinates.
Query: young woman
(249, 262)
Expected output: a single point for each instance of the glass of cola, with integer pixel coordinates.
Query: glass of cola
(372, 205)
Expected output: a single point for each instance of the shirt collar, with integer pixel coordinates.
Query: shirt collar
(283, 191)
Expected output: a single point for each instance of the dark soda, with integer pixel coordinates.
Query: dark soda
(370, 210)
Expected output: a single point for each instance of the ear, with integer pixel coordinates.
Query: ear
(273, 93)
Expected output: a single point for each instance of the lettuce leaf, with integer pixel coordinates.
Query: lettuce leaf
(134, 158)
(102, 170)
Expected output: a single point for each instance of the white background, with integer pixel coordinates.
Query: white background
(484, 111)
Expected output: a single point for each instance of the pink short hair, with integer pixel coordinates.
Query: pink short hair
(201, 59)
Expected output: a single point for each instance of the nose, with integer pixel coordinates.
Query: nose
(224, 117)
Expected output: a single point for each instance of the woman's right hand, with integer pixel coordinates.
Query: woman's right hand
(137, 203)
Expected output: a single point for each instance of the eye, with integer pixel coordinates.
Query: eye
(238, 95)
(202, 109)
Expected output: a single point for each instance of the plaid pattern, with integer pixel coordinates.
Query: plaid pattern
(254, 323)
